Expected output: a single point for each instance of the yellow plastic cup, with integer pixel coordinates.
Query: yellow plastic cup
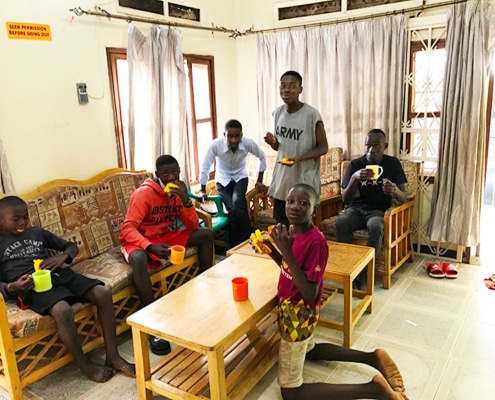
(42, 280)
(377, 171)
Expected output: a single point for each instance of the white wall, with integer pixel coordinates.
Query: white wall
(48, 135)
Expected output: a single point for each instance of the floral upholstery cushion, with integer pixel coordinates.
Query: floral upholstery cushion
(330, 165)
(89, 215)
(265, 219)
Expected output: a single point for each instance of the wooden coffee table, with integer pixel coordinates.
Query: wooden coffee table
(345, 262)
(225, 347)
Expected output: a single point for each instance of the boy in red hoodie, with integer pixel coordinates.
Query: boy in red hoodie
(151, 227)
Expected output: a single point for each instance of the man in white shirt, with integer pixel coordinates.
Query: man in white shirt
(230, 152)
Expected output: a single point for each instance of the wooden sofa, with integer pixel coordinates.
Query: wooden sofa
(89, 213)
(397, 245)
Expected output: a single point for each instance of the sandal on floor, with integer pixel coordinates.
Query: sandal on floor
(434, 270)
(450, 270)
(489, 283)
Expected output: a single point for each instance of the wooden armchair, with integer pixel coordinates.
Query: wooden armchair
(260, 208)
(397, 245)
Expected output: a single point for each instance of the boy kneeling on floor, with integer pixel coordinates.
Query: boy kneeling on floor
(302, 259)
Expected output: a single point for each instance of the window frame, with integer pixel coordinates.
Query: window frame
(192, 122)
(113, 55)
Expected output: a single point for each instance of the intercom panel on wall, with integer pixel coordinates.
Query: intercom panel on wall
(82, 93)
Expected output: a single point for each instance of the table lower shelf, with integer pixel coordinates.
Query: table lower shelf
(183, 374)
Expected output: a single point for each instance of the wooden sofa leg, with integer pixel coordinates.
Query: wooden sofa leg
(7, 354)
(387, 281)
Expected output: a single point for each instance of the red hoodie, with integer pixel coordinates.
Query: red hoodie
(152, 213)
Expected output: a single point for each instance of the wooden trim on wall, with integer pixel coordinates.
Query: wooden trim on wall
(114, 54)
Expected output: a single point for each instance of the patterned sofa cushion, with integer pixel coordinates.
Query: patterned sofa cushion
(330, 165)
(89, 215)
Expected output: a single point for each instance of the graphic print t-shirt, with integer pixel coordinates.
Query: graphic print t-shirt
(297, 318)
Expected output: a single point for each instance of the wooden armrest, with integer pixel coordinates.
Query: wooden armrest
(256, 202)
(399, 208)
(205, 217)
(398, 222)
(250, 195)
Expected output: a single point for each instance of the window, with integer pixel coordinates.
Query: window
(425, 79)
(201, 113)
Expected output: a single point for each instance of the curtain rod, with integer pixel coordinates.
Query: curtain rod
(417, 9)
(234, 33)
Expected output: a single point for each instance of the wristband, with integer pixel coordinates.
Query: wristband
(188, 203)
(7, 287)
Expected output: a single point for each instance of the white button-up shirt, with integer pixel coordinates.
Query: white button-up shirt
(230, 165)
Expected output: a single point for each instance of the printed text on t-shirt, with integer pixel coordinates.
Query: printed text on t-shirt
(289, 133)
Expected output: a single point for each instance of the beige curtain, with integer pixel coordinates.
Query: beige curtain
(6, 182)
(458, 189)
(157, 98)
(352, 73)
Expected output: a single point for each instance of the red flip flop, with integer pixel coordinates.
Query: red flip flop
(434, 270)
(489, 283)
(450, 270)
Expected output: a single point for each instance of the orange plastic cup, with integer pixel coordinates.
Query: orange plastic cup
(177, 254)
(240, 289)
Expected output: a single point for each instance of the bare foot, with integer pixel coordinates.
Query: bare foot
(384, 391)
(119, 364)
(389, 370)
(97, 373)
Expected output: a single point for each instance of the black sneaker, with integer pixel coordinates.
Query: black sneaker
(159, 346)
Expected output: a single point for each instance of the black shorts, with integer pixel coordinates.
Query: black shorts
(66, 285)
(279, 211)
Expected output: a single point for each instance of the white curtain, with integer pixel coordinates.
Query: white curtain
(157, 98)
(353, 73)
(6, 181)
(458, 189)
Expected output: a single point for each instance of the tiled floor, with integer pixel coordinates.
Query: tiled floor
(439, 332)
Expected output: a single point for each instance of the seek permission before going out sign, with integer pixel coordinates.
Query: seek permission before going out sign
(28, 31)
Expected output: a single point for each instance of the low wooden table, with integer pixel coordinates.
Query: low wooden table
(345, 262)
(225, 347)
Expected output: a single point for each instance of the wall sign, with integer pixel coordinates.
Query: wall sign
(28, 31)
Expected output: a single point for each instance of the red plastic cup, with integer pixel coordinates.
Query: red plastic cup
(240, 289)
